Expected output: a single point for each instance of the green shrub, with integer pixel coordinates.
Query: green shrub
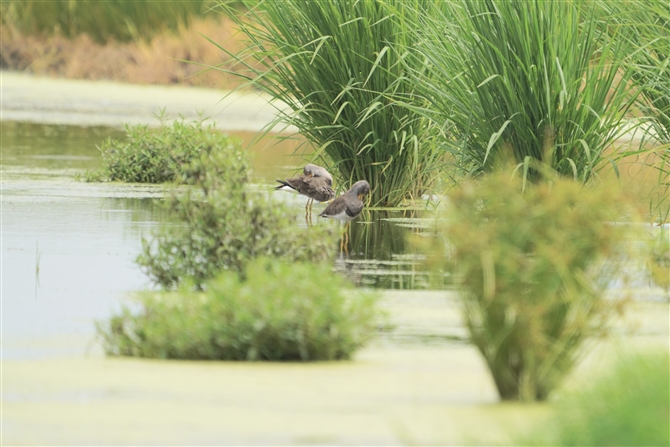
(630, 406)
(533, 79)
(164, 154)
(338, 66)
(221, 223)
(532, 268)
(278, 311)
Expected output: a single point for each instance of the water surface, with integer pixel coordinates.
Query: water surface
(69, 247)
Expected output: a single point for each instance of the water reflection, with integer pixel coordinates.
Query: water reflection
(50, 146)
(380, 253)
(31, 145)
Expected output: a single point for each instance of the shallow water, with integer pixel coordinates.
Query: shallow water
(69, 247)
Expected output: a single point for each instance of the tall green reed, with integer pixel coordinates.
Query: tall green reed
(337, 65)
(101, 19)
(533, 79)
(644, 26)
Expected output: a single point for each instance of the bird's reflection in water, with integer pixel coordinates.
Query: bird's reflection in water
(379, 252)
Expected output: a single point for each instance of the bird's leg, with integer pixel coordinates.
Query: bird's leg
(344, 240)
(311, 205)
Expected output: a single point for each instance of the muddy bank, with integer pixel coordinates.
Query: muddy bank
(161, 59)
(104, 103)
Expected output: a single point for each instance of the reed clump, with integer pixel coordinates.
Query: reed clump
(538, 80)
(338, 66)
(532, 268)
(276, 311)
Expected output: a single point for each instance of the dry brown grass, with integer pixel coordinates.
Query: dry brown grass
(156, 62)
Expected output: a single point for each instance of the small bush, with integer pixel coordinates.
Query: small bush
(630, 406)
(533, 267)
(278, 311)
(164, 154)
(221, 224)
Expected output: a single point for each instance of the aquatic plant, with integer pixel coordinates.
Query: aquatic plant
(221, 223)
(532, 268)
(168, 153)
(644, 27)
(535, 80)
(629, 405)
(277, 311)
(337, 66)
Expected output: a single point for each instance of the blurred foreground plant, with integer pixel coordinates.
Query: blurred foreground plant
(277, 311)
(628, 406)
(221, 223)
(658, 264)
(533, 268)
(164, 154)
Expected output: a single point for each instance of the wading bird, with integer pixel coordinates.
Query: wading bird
(348, 206)
(315, 183)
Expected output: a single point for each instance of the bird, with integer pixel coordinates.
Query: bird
(315, 183)
(348, 206)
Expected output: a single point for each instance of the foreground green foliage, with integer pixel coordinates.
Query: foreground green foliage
(532, 268)
(171, 152)
(533, 80)
(103, 20)
(630, 406)
(279, 311)
(221, 223)
(337, 65)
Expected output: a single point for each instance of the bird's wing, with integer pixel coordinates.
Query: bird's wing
(354, 207)
(335, 207)
(317, 188)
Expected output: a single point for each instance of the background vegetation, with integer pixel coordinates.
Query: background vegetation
(144, 42)
(337, 65)
(277, 311)
(102, 20)
(536, 80)
(532, 268)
